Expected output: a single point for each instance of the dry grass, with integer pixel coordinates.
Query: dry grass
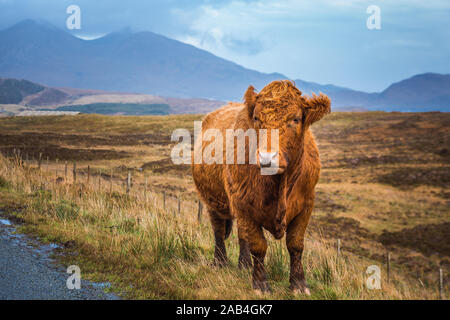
(384, 186)
(148, 252)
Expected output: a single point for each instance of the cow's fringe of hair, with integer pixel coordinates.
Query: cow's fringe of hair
(279, 92)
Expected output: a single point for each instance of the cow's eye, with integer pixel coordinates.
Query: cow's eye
(255, 118)
(297, 120)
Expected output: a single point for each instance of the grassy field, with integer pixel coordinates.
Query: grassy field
(384, 187)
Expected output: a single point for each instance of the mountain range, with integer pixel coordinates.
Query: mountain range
(17, 95)
(148, 63)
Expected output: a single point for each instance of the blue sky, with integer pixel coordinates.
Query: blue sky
(324, 41)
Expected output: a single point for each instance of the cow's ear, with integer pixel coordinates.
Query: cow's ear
(250, 100)
(316, 108)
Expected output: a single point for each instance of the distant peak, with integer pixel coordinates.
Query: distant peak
(33, 25)
(126, 30)
(121, 33)
(429, 74)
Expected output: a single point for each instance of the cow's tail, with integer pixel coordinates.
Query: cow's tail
(228, 227)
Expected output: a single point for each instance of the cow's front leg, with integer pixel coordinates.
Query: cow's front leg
(219, 228)
(254, 236)
(294, 241)
(245, 260)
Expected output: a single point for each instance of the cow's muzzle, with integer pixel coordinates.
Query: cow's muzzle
(271, 162)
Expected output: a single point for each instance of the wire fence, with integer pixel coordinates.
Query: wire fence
(73, 177)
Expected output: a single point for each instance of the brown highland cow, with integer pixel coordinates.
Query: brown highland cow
(280, 203)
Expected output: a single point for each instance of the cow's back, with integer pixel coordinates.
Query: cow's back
(209, 178)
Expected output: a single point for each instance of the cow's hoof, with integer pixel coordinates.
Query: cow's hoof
(301, 289)
(304, 291)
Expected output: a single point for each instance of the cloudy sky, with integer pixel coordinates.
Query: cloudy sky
(325, 41)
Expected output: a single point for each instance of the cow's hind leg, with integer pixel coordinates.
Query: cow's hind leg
(221, 228)
(295, 242)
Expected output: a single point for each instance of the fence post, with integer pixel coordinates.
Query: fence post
(338, 248)
(74, 174)
(129, 182)
(88, 175)
(388, 266)
(164, 200)
(199, 213)
(179, 205)
(65, 171)
(40, 161)
(441, 284)
(145, 189)
(110, 181)
(99, 180)
(47, 163)
(19, 158)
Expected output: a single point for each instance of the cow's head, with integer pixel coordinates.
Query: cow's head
(280, 105)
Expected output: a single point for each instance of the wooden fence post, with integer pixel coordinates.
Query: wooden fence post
(110, 181)
(145, 189)
(441, 284)
(128, 182)
(179, 204)
(199, 213)
(99, 180)
(338, 248)
(74, 174)
(388, 266)
(19, 158)
(164, 200)
(40, 161)
(88, 175)
(47, 163)
(65, 171)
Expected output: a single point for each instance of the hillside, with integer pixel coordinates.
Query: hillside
(151, 64)
(13, 91)
(22, 95)
(426, 92)
(422, 92)
(142, 62)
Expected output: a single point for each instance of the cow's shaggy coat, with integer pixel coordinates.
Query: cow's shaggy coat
(280, 203)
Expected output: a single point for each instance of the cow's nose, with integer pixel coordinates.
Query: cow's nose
(266, 158)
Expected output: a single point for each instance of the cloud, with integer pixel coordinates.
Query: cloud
(84, 36)
(301, 37)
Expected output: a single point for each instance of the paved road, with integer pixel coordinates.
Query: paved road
(28, 272)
